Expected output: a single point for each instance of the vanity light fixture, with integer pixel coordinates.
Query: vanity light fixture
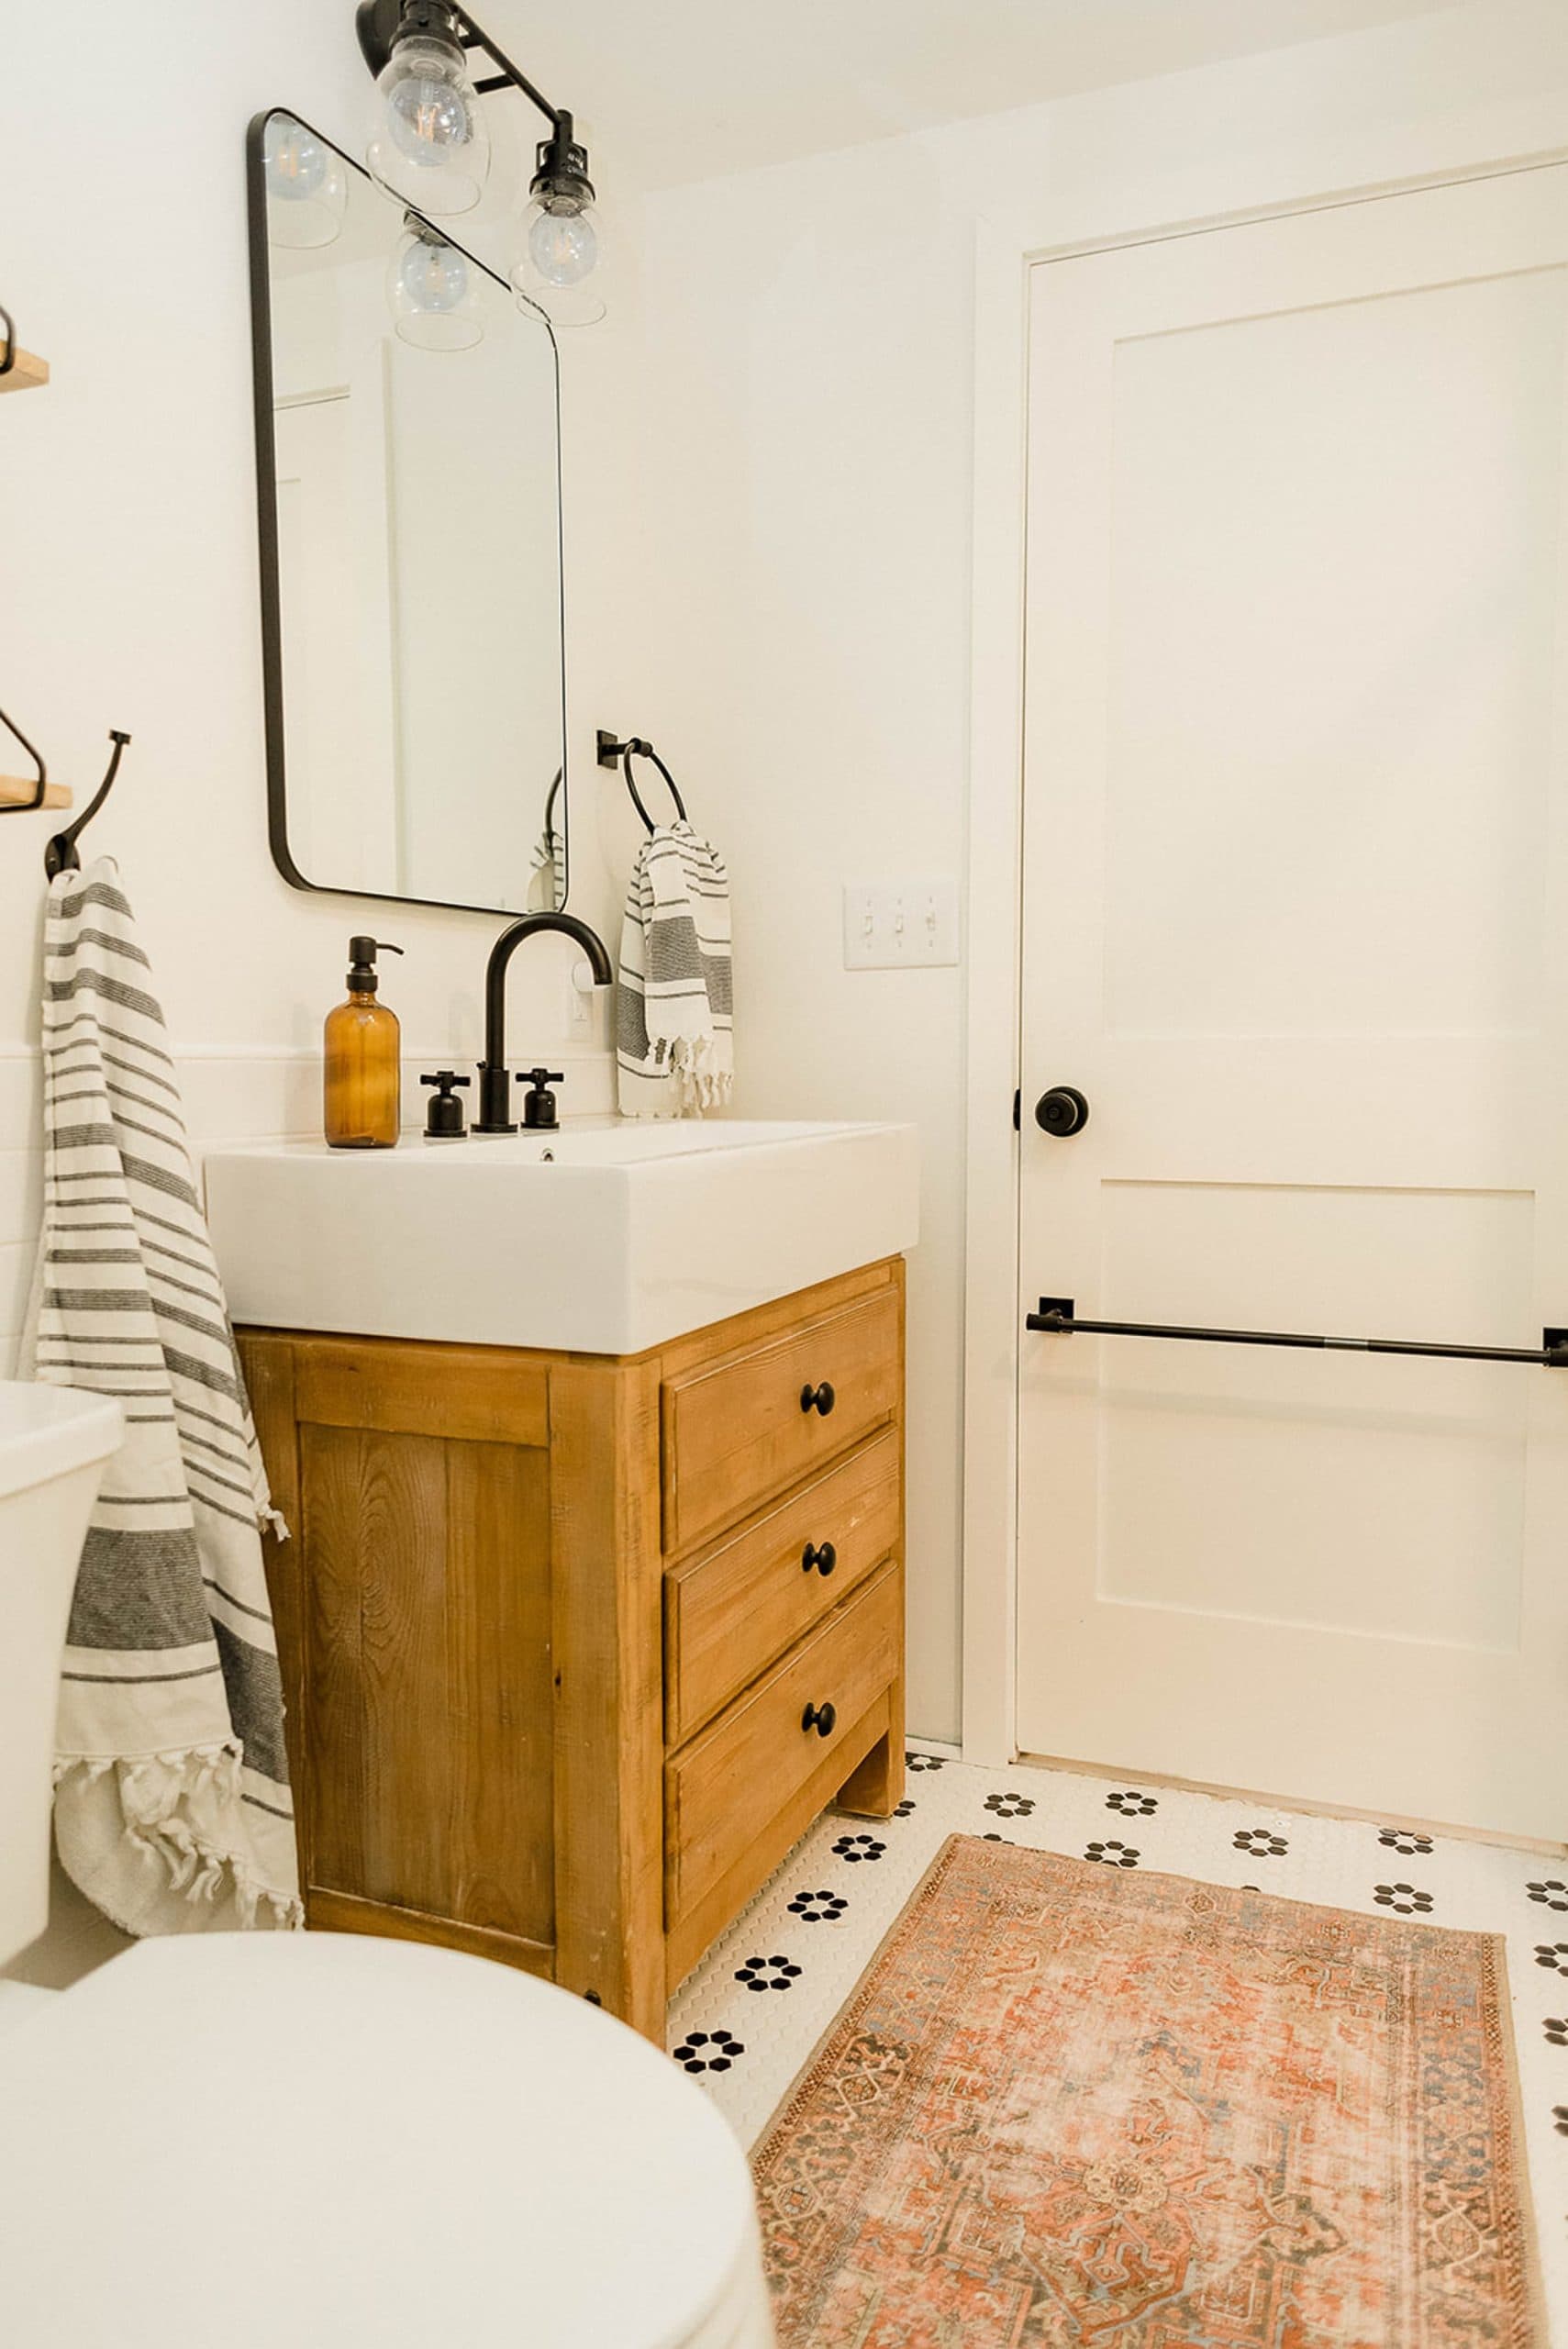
(429, 147)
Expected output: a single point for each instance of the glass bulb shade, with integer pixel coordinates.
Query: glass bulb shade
(308, 187)
(431, 291)
(563, 245)
(427, 140)
(557, 253)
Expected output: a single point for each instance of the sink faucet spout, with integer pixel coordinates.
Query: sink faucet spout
(494, 1077)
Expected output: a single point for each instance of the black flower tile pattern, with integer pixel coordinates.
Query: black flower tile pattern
(1010, 1806)
(708, 2051)
(1403, 1900)
(767, 1974)
(817, 1908)
(1323, 1860)
(857, 1847)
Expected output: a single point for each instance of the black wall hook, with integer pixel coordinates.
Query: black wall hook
(60, 855)
(610, 752)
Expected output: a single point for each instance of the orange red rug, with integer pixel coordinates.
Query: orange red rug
(1070, 2107)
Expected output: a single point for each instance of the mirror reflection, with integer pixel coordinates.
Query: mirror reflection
(407, 422)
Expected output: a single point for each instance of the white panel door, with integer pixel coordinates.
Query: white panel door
(1295, 912)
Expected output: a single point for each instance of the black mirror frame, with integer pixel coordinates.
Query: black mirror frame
(267, 535)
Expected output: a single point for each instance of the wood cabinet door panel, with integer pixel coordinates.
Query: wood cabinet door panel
(427, 1675)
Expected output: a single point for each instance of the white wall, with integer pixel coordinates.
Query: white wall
(803, 655)
(129, 593)
(768, 558)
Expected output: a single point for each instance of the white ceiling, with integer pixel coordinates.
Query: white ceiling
(678, 90)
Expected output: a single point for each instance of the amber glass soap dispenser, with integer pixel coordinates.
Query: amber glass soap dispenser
(363, 1073)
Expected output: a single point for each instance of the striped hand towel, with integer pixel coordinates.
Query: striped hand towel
(674, 1023)
(172, 1801)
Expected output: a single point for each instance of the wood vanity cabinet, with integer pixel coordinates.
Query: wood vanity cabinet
(575, 1646)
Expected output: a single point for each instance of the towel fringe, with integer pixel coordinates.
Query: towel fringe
(155, 1793)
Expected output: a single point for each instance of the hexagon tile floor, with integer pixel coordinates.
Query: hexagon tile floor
(746, 2020)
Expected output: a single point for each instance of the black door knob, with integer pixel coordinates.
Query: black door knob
(1062, 1111)
(821, 1717)
(817, 1399)
(824, 1558)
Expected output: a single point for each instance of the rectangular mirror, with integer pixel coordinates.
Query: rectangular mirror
(407, 432)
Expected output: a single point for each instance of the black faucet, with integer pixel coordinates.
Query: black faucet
(494, 1078)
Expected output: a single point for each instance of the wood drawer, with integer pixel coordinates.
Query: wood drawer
(729, 1612)
(724, 1792)
(736, 1430)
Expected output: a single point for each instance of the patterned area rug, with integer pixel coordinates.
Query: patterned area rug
(1070, 2106)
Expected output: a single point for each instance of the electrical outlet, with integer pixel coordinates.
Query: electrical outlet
(901, 925)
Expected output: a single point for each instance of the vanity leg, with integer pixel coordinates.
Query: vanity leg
(876, 1788)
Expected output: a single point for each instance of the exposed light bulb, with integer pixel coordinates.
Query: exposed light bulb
(427, 141)
(308, 187)
(434, 276)
(431, 292)
(296, 160)
(563, 245)
(427, 112)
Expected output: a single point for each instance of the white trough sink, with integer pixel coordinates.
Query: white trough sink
(605, 1237)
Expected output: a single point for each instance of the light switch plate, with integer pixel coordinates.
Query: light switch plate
(900, 924)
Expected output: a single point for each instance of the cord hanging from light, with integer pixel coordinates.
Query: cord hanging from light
(428, 146)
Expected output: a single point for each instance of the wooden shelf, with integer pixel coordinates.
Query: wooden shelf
(16, 791)
(26, 374)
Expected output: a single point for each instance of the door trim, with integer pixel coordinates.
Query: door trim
(1005, 251)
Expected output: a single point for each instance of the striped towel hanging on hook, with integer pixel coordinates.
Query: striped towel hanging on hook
(173, 1811)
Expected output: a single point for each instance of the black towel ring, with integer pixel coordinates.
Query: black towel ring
(635, 748)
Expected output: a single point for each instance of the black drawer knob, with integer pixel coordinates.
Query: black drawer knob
(823, 1718)
(817, 1399)
(823, 1556)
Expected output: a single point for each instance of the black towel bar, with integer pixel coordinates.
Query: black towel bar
(1057, 1318)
